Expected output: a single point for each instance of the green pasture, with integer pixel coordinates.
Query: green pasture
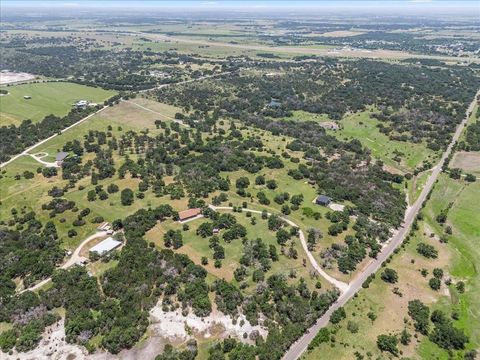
(364, 128)
(46, 98)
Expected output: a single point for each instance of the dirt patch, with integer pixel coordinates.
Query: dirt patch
(468, 161)
(8, 77)
(54, 347)
(176, 327)
(392, 170)
(329, 125)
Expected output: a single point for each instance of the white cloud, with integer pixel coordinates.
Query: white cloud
(420, 1)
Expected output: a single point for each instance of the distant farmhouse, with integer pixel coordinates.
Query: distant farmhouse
(323, 200)
(27, 97)
(81, 104)
(274, 104)
(188, 214)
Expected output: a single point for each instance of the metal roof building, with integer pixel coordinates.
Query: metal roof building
(61, 156)
(106, 246)
(323, 200)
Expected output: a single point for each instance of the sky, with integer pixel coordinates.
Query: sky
(412, 6)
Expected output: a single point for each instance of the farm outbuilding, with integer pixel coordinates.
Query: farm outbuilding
(61, 156)
(188, 214)
(106, 246)
(323, 200)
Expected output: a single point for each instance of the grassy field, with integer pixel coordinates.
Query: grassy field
(467, 161)
(196, 247)
(27, 195)
(47, 98)
(416, 185)
(459, 259)
(364, 128)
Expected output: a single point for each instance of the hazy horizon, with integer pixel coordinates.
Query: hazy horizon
(394, 7)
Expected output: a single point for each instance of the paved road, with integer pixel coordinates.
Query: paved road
(343, 287)
(26, 151)
(297, 349)
(72, 260)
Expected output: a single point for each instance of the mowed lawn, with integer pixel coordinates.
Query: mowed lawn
(46, 98)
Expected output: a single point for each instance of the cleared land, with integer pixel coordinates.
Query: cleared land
(467, 161)
(47, 98)
(8, 77)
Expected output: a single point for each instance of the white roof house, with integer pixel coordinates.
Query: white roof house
(106, 246)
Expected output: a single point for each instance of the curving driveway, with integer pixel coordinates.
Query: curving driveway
(72, 260)
(343, 287)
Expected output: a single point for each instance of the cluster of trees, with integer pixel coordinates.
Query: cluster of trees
(29, 252)
(13, 139)
(119, 69)
(29, 317)
(472, 137)
(416, 103)
(256, 256)
(368, 235)
(427, 250)
(444, 334)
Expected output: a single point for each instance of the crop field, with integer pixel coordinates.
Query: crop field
(47, 98)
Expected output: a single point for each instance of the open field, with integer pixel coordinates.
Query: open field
(467, 161)
(364, 128)
(47, 98)
(458, 259)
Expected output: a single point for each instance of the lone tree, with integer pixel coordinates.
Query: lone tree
(389, 275)
(127, 197)
(388, 343)
(338, 315)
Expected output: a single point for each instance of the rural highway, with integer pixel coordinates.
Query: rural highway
(73, 259)
(298, 348)
(27, 151)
